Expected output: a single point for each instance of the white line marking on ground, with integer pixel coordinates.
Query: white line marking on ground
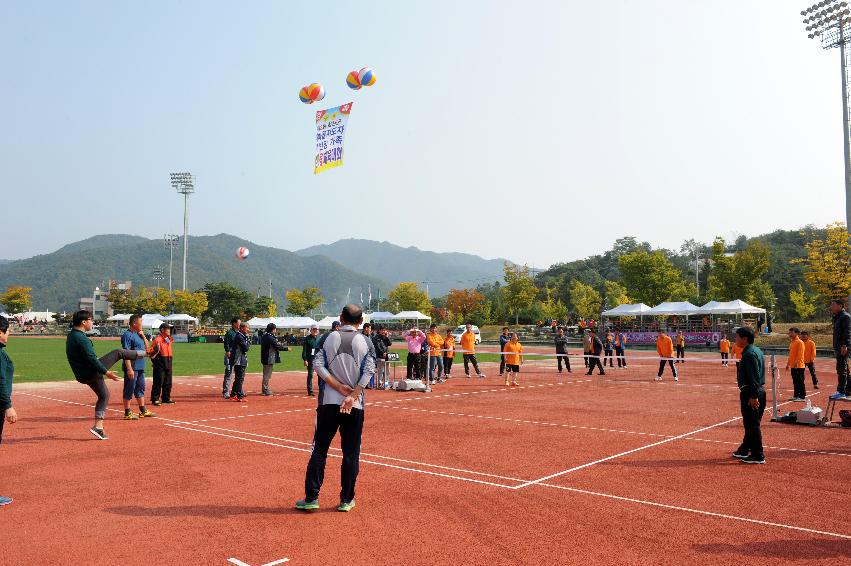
(365, 461)
(696, 511)
(627, 452)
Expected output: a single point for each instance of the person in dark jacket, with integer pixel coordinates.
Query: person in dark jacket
(750, 377)
(7, 373)
(239, 358)
(308, 352)
(594, 354)
(561, 350)
(841, 347)
(504, 339)
(381, 343)
(229, 335)
(90, 370)
(269, 355)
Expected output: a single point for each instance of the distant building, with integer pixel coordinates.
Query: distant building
(98, 304)
(120, 285)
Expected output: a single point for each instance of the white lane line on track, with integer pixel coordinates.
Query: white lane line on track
(627, 452)
(362, 460)
(696, 511)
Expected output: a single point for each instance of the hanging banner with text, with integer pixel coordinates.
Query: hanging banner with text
(330, 131)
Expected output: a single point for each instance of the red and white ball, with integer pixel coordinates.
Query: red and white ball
(242, 253)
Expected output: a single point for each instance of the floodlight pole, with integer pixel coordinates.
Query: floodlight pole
(185, 234)
(845, 126)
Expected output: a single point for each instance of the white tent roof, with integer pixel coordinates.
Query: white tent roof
(292, 321)
(151, 320)
(730, 307)
(325, 323)
(382, 315)
(119, 318)
(411, 315)
(674, 309)
(258, 322)
(40, 315)
(181, 318)
(628, 310)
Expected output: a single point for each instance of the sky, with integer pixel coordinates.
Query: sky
(535, 131)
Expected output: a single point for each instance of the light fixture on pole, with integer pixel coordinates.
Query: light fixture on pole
(158, 275)
(170, 241)
(830, 21)
(184, 183)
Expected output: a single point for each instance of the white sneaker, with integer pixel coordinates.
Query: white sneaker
(481, 375)
(676, 378)
(658, 378)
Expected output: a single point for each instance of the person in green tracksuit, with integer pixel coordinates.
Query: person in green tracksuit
(750, 376)
(311, 343)
(229, 337)
(7, 372)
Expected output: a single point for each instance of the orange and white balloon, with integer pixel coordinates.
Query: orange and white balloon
(242, 253)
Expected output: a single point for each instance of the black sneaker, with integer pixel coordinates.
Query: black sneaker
(739, 455)
(156, 403)
(169, 402)
(99, 433)
(754, 460)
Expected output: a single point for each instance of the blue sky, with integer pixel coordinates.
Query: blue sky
(537, 131)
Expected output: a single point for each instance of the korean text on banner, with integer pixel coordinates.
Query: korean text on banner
(330, 131)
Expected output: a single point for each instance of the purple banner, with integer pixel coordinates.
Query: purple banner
(700, 338)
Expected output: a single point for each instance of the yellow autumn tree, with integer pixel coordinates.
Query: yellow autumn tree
(827, 270)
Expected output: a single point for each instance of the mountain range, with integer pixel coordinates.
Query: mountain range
(60, 278)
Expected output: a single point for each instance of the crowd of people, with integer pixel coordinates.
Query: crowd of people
(353, 357)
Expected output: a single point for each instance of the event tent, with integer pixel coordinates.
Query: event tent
(638, 309)
(325, 323)
(151, 321)
(119, 318)
(381, 316)
(37, 316)
(729, 307)
(410, 315)
(683, 308)
(5, 315)
(283, 322)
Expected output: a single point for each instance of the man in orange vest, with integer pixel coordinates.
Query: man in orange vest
(810, 356)
(724, 347)
(795, 364)
(665, 349)
(161, 360)
(468, 346)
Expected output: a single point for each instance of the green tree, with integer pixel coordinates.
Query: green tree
(224, 301)
(407, 296)
(302, 301)
(585, 299)
(651, 278)
(152, 300)
(805, 303)
(122, 300)
(17, 299)
(263, 307)
(616, 295)
(194, 304)
(738, 276)
(552, 307)
(519, 291)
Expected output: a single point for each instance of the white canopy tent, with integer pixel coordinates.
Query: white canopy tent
(730, 307)
(325, 323)
(380, 316)
(292, 321)
(258, 322)
(638, 309)
(151, 321)
(682, 308)
(5, 315)
(119, 318)
(39, 316)
(410, 315)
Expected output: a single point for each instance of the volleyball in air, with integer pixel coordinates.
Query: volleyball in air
(242, 253)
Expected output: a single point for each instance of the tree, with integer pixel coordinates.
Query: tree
(407, 297)
(439, 315)
(153, 301)
(651, 277)
(264, 307)
(738, 276)
(224, 301)
(464, 301)
(519, 291)
(122, 300)
(827, 270)
(616, 294)
(194, 304)
(17, 299)
(552, 307)
(302, 301)
(585, 299)
(805, 303)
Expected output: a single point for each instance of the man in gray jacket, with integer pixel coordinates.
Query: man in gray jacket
(345, 362)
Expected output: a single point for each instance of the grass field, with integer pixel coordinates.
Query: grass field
(43, 359)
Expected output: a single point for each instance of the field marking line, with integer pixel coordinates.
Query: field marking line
(362, 460)
(782, 448)
(238, 562)
(391, 458)
(696, 511)
(634, 450)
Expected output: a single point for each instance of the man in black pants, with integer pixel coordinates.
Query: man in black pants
(345, 363)
(841, 347)
(750, 376)
(89, 369)
(594, 355)
(561, 350)
(7, 373)
(504, 339)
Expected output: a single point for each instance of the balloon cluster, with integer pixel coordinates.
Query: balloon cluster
(357, 79)
(311, 93)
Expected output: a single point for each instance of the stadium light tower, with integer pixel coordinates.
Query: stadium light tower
(184, 183)
(830, 21)
(170, 241)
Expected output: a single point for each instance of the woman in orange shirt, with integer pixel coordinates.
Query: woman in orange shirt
(724, 347)
(513, 359)
(449, 353)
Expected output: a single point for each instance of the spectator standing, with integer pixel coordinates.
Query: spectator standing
(269, 355)
(308, 352)
(810, 356)
(586, 347)
(795, 364)
(7, 374)
(841, 348)
(596, 350)
(681, 347)
(228, 343)
(750, 377)
(448, 353)
(620, 348)
(724, 348)
(134, 371)
(161, 360)
(468, 346)
(239, 357)
(381, 342)
(608, 349)
(414, 338)
(504, 339)
(561, 350)
(435, 360)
